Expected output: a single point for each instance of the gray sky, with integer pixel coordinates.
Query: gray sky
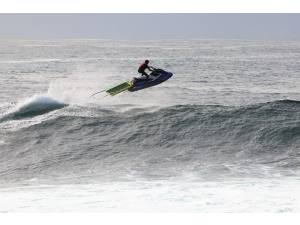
(151, 26)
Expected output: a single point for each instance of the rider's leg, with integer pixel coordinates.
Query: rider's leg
(145, 74)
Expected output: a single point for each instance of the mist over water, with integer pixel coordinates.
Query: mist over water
(226, 124)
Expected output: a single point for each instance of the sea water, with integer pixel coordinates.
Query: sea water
(222, 135)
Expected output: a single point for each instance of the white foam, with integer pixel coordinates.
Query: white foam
(37, 102)
(243, 195)
(34, 104)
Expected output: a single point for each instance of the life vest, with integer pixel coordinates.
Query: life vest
(142, 68)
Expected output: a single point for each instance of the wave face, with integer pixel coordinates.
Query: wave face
(34, 106)
(203, 140)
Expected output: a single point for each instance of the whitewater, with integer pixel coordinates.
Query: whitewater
(222, 135)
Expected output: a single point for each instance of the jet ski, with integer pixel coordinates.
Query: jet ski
(156, 77)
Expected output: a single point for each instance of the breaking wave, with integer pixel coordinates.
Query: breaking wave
(176, 139)
(36, 105)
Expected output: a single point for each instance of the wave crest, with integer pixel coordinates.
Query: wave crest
(33, 106)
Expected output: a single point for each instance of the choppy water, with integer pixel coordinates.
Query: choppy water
(222, 135)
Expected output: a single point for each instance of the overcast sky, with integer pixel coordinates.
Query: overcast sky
(151, 26)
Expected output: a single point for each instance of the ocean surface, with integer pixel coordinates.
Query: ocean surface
(222, 135)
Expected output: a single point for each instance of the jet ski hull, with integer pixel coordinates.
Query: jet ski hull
(157, 76)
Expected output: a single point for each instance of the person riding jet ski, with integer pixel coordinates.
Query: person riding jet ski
(143, 67)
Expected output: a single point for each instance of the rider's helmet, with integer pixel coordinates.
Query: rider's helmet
(146, 61)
